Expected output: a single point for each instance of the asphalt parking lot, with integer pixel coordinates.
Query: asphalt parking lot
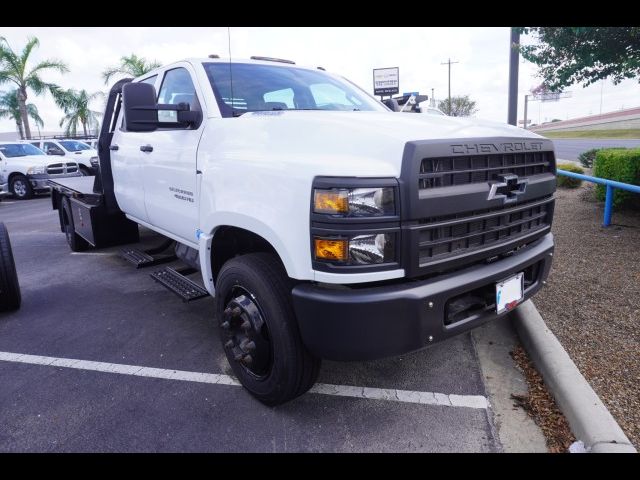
(146, 372)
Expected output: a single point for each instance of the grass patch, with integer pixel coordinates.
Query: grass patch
(632, 133)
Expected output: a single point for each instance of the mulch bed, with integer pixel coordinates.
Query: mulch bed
(592, 300)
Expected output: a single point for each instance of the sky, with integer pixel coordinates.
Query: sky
(482, 53)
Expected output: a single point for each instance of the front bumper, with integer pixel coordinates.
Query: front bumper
(377, 322)
(4, 189)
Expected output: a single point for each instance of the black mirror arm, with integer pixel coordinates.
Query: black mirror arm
(180, 107)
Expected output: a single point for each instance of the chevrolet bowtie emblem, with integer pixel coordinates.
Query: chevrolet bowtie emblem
(508, 188)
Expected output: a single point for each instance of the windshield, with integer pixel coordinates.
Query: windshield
(11, 150)
(258, 88)
(74, 145)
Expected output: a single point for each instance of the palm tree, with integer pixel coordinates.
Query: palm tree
(13, 68)
(76, 108)
(10, 108)
(132, 65)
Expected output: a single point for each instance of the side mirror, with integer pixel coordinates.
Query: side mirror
(141, 110)
(139, 104)
(392, 103)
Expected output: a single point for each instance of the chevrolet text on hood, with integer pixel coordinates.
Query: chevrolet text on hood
(324, 224)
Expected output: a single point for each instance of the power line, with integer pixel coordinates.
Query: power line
(449, 62)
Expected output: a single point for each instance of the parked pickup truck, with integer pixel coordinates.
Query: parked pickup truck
(73, 150)
(325, 225)
(25, 170)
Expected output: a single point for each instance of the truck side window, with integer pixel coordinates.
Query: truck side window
(51, 146)
(177, 87)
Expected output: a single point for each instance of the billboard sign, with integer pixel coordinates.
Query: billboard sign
(386, 81)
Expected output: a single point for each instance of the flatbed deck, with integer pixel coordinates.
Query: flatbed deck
(80, 188)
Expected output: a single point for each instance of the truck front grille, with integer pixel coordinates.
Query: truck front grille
(461, 235)
(62, 168)
(463, 170)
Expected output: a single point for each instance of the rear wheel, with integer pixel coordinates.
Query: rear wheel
(75, 241)
(21, 188)
(10, 297)
(259, 330)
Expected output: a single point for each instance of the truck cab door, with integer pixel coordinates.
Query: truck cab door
(169, 165)
(127, 164)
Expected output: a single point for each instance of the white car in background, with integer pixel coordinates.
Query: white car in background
(25, 169)
(76, 150)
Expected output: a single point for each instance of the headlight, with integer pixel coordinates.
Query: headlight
(365, 249)
(94, 161)
(355, 202)
(36, 170)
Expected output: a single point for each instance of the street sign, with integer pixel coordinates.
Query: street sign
(386, 81)
(521, 122)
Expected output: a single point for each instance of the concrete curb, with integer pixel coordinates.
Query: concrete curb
(589, 419)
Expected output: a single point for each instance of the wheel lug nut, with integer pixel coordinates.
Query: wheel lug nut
(225, 325)
(245, 325)
(238, 357)
(247, 359)
(235, 311)
(229, 344)
(248, 345)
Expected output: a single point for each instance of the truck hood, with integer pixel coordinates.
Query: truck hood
(82, 153)
(349, 143)
(32, 160)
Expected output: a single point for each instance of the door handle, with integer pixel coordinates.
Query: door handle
(146, 148)
(114, 147)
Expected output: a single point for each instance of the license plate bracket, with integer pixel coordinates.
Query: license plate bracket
(509, 292)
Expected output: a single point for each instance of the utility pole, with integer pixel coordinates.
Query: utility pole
(514, 55)
(449, 62)
(433, 99)
(526, 102)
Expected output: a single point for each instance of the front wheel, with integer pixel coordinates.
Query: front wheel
(21, 188)
(259, 330)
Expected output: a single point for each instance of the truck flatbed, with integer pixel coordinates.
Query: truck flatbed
(81, 188)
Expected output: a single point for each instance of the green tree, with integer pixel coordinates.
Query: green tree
(570, 55)
(14, 69)
(10, 108)
(132, 65)
(461, 106)
(75, 105)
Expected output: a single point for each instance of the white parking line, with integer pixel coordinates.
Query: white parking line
(405, 396)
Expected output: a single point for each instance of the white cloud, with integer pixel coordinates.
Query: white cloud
(482, 53)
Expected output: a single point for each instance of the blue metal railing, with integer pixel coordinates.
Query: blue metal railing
(610, 184)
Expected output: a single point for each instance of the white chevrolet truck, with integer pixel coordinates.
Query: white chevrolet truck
(324, 224)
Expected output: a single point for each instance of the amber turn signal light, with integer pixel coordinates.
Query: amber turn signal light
(331, 249)
(331, 201)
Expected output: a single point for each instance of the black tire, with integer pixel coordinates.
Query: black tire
(85, 171)
(75, 241)
(291, 370)
(10, 297)
(21, 187)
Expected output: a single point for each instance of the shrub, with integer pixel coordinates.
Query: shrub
(587, 158)
(569, 182)
(621, 165)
